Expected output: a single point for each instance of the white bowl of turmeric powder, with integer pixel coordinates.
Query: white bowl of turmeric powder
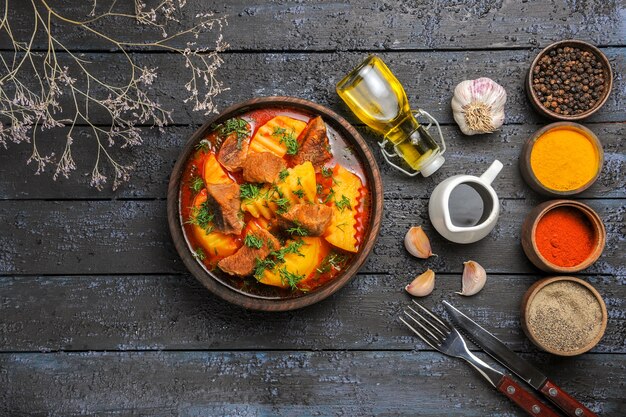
(561, 159)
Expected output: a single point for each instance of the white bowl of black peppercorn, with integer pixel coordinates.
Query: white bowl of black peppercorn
(569, 80)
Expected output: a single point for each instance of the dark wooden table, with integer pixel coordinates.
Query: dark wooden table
(99, 317)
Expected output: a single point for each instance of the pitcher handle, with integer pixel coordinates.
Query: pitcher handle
(492, 172)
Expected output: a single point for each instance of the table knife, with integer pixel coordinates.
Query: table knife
(522, 368)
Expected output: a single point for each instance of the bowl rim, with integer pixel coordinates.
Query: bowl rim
(211, 282)
(580, 44)
(541, 284)
(592, 216)
(529, 175)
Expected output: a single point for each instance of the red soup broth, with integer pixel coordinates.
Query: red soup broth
(343, 154)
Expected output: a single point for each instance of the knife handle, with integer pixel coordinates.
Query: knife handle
(524, 399)
(564, 401)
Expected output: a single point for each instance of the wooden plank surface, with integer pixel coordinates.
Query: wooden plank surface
(174, 312)
(132, 237)
(82, 270)
(429, 78)
(352, 25)
(282, 383)
(155, 158)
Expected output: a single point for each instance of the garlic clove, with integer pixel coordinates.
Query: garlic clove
(422, 285)
(474, 278)
(417, 243)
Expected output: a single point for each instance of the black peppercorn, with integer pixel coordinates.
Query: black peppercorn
(568, 80)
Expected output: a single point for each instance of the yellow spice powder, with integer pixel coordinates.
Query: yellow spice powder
(564, 159)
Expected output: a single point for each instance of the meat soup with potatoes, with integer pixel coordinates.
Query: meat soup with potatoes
(274, 202)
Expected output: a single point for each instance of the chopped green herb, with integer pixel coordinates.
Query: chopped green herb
(333, 260)
(199, 254)
(204, 145)
(283, 174)
(196, 184)
(260, 265)
(279, 131)
(288, 138)
(319, 188)
(202, 217)
(252, 241)
(343, 203)
(276, 190)
(297, 230)
(298, 182)
(299, 192)
(276, 257)
(249, 191)
(293, 247)
(283, 205)
(327, 172)
(235, 125)
(290, 278)
(331, 194)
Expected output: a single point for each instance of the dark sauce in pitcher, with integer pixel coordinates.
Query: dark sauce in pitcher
(469, 205)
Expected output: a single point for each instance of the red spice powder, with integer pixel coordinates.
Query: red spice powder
(564, 236)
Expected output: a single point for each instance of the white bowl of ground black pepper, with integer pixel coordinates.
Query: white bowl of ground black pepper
(569, 80)
(565, 316)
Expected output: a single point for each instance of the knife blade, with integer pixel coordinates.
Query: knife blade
(521, 367)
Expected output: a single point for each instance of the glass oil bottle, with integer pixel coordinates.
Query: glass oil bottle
(376, 96)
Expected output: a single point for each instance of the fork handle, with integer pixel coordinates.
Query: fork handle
(524, 399)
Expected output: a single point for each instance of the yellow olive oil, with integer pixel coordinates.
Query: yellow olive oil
(376, 96)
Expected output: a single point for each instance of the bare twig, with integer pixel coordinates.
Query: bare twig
(31, 83)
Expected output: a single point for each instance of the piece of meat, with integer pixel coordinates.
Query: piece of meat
(224, 202)
(233, 152)
(313, 218)
(262, 167)
(242, 262)
(314, 145)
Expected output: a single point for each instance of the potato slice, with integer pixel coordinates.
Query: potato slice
(267, 137)
(213, 173)
(301, 264)
(347, 189)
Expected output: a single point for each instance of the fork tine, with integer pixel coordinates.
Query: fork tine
(436, 339)
(419, 334)
(430, 324)
(431, 314)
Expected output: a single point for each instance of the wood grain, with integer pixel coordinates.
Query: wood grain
(281, 383)
(155, 159)
(139, 312)
(87, 270)
(429, 78)
(527, 400)
(315, 25)
(128, 237)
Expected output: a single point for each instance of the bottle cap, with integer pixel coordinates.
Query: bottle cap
(432, 165)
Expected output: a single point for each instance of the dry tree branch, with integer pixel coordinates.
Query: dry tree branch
(33, 83)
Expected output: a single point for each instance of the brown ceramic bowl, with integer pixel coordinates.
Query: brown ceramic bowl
(528, 299)
(607, 72)
(529, 175)
(221, 284)
(529, 228)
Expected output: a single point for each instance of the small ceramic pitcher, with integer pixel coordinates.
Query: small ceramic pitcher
(439, 208)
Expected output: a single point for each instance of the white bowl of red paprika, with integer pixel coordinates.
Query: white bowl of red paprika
(563, 236)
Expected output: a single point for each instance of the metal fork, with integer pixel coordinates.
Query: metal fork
(444, 338)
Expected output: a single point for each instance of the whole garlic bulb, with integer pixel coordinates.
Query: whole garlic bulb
(478, 106)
